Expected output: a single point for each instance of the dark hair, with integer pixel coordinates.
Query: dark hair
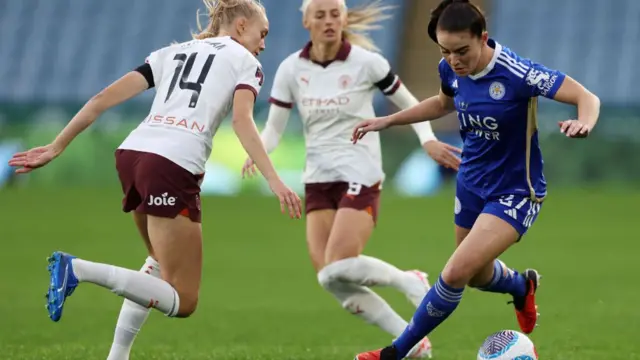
(455, 16)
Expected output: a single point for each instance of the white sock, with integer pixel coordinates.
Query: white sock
(361, 301)
(132, 317)
(140, 288)
(369, 271)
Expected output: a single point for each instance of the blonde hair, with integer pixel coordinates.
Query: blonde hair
(360, 20)
(222, 12)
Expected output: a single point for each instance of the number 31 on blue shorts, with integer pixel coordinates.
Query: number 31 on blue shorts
(518, 210)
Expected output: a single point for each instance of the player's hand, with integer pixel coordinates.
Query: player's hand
(32, 159)
(443, 154)
(289, 200)
(366, 126)
(574, 129)
(249, 169)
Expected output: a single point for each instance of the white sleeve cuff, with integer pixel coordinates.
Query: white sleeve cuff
(275, 126)
(424, 131)
(403, 99)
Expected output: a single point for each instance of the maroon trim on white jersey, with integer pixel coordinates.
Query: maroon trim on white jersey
(247, 87)
(282, 104)
(342, 55)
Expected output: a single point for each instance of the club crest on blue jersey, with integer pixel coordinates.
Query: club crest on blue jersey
(496, 90)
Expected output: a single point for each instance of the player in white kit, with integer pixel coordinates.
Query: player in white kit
(161, 163)
(332, 81)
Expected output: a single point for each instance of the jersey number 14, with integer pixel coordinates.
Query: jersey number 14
(182, 82)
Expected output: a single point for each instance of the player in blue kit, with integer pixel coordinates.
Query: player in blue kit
(500, 183)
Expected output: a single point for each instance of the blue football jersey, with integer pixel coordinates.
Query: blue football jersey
(496, 110)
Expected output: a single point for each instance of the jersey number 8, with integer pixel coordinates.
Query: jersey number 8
(195, 87)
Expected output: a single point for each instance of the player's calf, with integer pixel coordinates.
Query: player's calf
(369, 271)
(500, 279)
(67, 271)
(187, 291)
(440, 302)
(359, 300)
(188, 307)
(177, 243)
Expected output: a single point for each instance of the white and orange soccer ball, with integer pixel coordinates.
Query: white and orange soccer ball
(507, 345)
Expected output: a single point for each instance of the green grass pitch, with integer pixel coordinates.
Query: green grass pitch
(260, 300)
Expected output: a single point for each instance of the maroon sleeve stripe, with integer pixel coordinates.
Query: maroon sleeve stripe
(247, 87)
(283, 104)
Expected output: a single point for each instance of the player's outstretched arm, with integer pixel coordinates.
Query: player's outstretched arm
(271, 135)
(588, 104)
(438, 151)
(432, 108)
(245, 129)
(404, 99)
(123, 89)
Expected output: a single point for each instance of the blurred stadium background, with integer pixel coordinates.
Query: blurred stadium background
(259, 297)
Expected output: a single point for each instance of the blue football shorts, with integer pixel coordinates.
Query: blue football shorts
(518, 210)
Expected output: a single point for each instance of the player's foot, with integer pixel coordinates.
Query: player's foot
(62, 283)
(422, 350)
(421, 289)
(388, 353)
(526, 308)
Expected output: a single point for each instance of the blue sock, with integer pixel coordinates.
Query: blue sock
(505, 281)
(436, 306)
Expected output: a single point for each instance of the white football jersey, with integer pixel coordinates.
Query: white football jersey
(332, 98)
(195, 82)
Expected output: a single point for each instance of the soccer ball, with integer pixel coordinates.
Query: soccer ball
(507, 345)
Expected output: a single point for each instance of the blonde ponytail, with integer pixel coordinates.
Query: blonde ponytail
(362, 19)
(222, 12)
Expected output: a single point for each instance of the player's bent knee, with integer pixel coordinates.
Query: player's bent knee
(336, 273)
(188, 305)
(457, 275)
(327, 278)
(351, 295)
(187, 298)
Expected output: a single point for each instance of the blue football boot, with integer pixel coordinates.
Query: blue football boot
(62, 283)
